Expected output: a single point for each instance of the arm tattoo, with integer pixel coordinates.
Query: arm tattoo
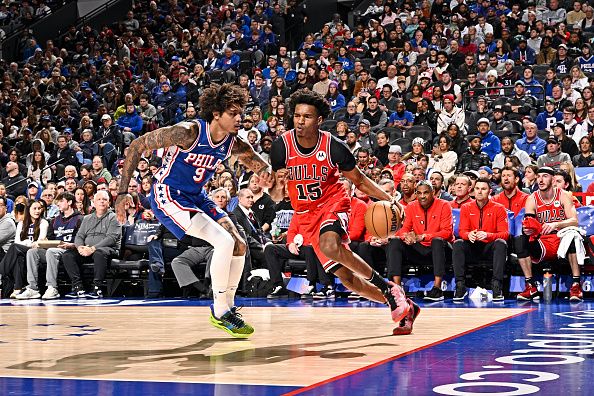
(228, 225)
(182, 134)
(248, 156)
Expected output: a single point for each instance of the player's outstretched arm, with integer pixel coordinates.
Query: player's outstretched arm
(366, 185)
(249, 158)
(182, 135)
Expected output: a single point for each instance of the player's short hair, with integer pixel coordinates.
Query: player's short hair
(218, 98)
(305, 96)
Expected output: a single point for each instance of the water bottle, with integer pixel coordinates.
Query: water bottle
(274, 230)
(547, 287)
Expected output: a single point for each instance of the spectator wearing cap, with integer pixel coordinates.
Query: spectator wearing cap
(377, 118)
(553, 157)
(185, 89)
(401, 118)
(450, 114)
(473, 158)
(89, 100)
(112, 140)
(493, 84)
(520, 103)
(499, 122)
(486, 173)
(524, 55)
(549, 117)
(509, 75)
(367, 138)
(166, 102)
(562, 62)
(395, 163)
(301, 82)
(490, 143)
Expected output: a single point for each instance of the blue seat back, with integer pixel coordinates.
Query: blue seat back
(456, 219)
(518, 222)
(586, 219)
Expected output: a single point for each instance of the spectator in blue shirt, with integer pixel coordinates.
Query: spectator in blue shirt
(131, 121)
(401, 118)
(548, 118)
(335, 98)
(273, 64)
(530, 142)
(524, 55)
(228, 63)
(418, 43)
(490, 144)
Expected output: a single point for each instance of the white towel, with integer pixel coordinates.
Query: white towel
(567, 235)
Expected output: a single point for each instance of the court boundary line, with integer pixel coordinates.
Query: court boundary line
(403, 354)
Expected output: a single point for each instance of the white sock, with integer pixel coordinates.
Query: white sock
(236, 270)
(205, 228)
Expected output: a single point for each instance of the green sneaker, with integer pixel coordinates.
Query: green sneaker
(232, 323)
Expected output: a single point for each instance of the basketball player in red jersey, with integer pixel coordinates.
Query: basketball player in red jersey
(548, 210)
(313, 160)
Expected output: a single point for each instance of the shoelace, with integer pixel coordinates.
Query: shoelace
(235, 310)
(235, 320)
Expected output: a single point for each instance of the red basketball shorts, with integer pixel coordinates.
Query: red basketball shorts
(331, 216)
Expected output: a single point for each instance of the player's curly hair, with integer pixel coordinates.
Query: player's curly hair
(305, 96)
(220, 98)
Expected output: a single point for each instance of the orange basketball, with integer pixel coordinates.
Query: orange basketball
(382, 219)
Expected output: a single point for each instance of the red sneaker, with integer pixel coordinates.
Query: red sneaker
(529, 293)
(406, 324)
(398, 304)
(575, 293)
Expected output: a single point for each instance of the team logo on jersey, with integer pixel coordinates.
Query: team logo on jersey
(321, 155)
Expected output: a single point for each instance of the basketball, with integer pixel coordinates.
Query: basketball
(382, 219)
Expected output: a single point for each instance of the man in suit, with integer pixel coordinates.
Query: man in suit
(253, 230)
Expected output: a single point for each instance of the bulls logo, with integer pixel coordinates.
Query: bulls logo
(321, 155)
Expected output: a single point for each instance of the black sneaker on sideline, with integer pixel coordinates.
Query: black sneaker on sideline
(76, 293)
(497, 291)
(278, 292)
(435, 294)
(461, 291)
(95, 294)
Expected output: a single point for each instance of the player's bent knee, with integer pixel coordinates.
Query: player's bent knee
(329, 246)
(437, 241)
(500, 242)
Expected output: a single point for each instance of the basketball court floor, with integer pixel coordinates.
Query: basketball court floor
(167, 347)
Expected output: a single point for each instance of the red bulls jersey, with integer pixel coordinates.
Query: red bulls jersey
(549, 212)
(312, 178)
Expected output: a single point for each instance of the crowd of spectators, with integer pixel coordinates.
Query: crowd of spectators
(437, 92)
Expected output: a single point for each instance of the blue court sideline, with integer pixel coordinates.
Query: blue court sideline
(546, 350)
